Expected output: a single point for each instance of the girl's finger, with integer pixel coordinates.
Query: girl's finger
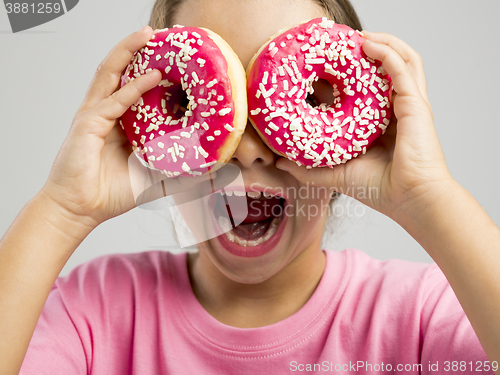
(108, 75)
(408, 101)
(191, 181)
(408, 54)
(114, 106)
(405, 51)
(170, 186)
(117, 135)
(333, 178)
(403, 82)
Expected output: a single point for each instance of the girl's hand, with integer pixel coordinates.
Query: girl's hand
(89, 178)
(400, 173)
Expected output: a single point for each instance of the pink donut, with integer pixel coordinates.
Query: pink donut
(281, 75)
(193, 120)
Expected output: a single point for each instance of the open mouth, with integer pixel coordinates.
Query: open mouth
(252, 234)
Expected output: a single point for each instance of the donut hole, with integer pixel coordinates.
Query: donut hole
(184, 104)
(322, 93)
(177, 103)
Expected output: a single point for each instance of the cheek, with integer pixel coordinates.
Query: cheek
(309, 213)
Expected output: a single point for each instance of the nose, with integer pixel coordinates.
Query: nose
(252, 151)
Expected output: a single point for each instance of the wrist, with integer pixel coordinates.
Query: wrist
(73, 226)
(448, 218)
(425, 203)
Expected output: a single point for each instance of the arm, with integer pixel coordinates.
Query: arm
(465, 243)
(407, 168)
(88, 184)
(444, 218)
(32, 254)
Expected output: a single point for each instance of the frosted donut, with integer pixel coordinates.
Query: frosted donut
(281, 75)
(193, 120)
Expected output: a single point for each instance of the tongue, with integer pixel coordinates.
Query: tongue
(251, 231)
(261, 212)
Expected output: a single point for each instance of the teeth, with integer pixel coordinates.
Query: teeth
(237, 193)
(224, 223)
(271, 230)
(251, 194)
(231, 236)
(240, 241)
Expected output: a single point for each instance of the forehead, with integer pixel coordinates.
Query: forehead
(246, 24)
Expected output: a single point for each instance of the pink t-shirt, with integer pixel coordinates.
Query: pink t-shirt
(136, 314)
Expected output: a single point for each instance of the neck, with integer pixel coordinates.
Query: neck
(256, 305)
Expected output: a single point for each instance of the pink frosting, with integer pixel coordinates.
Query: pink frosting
(282, 76)
(170, 140)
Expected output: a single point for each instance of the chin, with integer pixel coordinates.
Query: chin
(241, 268)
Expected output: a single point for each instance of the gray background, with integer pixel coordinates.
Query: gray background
(45, 71)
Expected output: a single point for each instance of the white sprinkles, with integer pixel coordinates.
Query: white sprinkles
(178, 49)
(280, 109)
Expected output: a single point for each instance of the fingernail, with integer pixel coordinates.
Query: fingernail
(145, 27)
(282, 168)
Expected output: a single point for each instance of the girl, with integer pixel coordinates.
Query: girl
(293, 308)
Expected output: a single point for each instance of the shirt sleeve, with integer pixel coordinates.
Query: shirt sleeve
(449, 343)
(56, 347)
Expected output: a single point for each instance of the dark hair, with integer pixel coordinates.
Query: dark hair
(163, 13)
(341, 11)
